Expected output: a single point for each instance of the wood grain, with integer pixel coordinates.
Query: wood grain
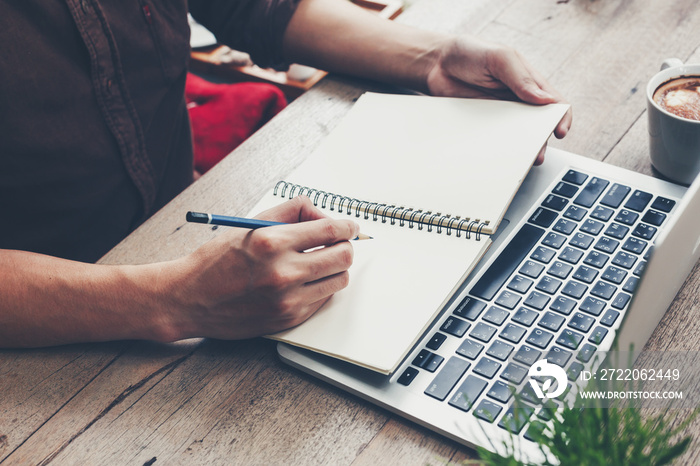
(211, 402)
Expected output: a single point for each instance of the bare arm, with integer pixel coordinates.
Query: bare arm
(242, 284)
(338, 36)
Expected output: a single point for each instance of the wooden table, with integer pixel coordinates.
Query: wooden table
(214, 402)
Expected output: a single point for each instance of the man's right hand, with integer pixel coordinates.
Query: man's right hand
(247, 283)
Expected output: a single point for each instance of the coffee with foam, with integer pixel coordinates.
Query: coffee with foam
(680, 96)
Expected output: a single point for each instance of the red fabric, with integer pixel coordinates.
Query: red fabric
(224, 115)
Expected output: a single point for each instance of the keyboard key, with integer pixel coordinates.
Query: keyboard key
(620, 301)
(467, 393)
(539, 338)
(638, 201)
(527, 355)
(581, 322)
(516, 417)
(500, 391)
(574, 177)
(592, 227)
(436, 341)
(487, 367)
(574, 289)
(653, 217)
(514, 373)
(500, 350)
(487, 410)
(407, 377)
(531, 269)
(585, 274)
(560, 270)
(558, 356)
(525, 317)
(542, 254)
(433, 363)
(548, 285)
(543, 217)
(563, 305)
(630, 284)
(470, 349)
(596, 259)
(565, 189)
(534, 431)
(602, 213)
(644, 231)
(581, 241)
(571, 255)
(496, 315)
(624, 260)
(554, 240)
(609, 318)
(569, 339)
(616, 230)
(634, 245)
(551, 321)
(555, 202)
(574, 370)
(586, 352)
(483, 332)
(603, 290)
(512, 333)
(520, 284)
(508, 300)
(509, 259)
(614, 275)
(663, 204)
(422, 357)
(627, 217)
(597, 335)
(470, 308)
(537, 300)
(575, 213)
(639, 270)
(592, 306)
(447, 378)
(528, 394)
(591, 192)
(615, 195)
(565, 226)
(607, 245)
(455, 326)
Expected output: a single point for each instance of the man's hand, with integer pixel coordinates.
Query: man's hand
(247, 283)
(470, 67)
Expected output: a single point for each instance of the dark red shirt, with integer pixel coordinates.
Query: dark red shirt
(94, 132)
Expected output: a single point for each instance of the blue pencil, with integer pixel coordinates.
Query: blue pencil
(240, 222)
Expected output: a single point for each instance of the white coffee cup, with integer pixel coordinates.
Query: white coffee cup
(674, 142)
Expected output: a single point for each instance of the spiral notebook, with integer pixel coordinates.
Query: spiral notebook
(429, 179)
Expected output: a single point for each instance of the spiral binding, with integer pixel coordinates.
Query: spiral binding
(383, 212)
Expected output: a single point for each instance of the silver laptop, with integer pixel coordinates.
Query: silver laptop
(554, 289)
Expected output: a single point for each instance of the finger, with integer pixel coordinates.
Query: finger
(322, 232)
(564, 125)
(299, 209)
(321, 290)
(327, 261)
(540, 156)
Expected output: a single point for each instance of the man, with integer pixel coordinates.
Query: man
(95, 138)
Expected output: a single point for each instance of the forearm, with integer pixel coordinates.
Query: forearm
(338, 36)
(48, 301)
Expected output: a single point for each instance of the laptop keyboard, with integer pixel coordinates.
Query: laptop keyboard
(553, 292)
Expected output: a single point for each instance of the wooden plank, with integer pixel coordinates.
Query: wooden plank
(231, 400)
(127, 373)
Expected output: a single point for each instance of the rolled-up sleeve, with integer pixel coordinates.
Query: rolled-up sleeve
(253, 26)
